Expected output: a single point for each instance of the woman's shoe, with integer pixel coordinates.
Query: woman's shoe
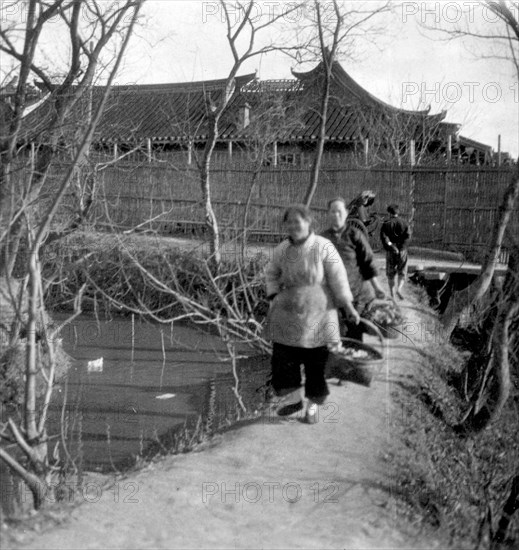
(311, 413)
(311, 417)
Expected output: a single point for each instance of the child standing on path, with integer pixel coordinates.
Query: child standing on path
(395, 235)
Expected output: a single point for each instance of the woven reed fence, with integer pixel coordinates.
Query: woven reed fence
(168, 196)
(457, 209)
(451, 207)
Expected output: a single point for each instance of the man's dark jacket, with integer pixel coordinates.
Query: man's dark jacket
(395, 231)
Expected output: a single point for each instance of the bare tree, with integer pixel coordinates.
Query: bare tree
(334, 28)
(500, 34)
(328, 57)
(507, 36)
(390, 132)
(489, 367)
(275, 115)
(457, 309)
(244, 28)
(31, 198)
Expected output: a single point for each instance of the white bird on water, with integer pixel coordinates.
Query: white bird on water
(96, 365)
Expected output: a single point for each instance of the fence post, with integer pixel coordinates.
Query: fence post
(412, 187)
(366, 151)
(477, 227)
(445, 191)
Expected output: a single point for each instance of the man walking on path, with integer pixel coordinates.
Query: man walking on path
(395, 235)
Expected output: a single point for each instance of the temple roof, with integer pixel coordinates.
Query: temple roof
(133, 113)
(350, 89)
(353, 113)
(164, 112)
(478, 145)
(177, 112)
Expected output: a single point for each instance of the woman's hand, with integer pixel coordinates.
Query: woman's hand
(380, 294)
(352, 314)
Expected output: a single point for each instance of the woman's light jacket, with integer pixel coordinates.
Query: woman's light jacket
(309, 282)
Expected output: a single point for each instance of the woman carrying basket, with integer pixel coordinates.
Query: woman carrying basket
(306, 283)
(358, 257)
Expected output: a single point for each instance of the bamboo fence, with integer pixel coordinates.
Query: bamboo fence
(451, 207)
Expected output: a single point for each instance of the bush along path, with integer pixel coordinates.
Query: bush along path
(269, 483)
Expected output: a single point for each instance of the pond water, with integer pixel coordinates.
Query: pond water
(154, 380)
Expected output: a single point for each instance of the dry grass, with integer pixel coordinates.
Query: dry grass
(109, 262)
(455, 484)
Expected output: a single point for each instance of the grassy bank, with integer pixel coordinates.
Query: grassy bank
(456, 484)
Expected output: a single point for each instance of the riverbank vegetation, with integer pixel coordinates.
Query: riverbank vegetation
(164, 282)
(161, 280)
(461, 483)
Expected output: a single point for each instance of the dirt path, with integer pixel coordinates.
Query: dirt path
(270, 484)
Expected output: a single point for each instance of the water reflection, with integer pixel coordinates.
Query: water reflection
(115, 414)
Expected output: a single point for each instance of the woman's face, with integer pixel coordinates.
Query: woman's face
(297, 227)
(337, 214)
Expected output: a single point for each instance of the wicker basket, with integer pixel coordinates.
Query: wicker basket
(357, 370)
(388, 330)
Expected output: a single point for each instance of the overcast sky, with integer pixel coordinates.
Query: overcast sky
(184, 40)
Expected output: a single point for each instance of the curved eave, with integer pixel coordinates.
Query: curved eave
(352, 88)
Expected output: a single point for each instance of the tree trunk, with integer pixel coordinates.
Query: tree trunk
(205, 182)
(316, 165)
(455, 310)
(246, 213)
(496, 383)
(35, 485)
